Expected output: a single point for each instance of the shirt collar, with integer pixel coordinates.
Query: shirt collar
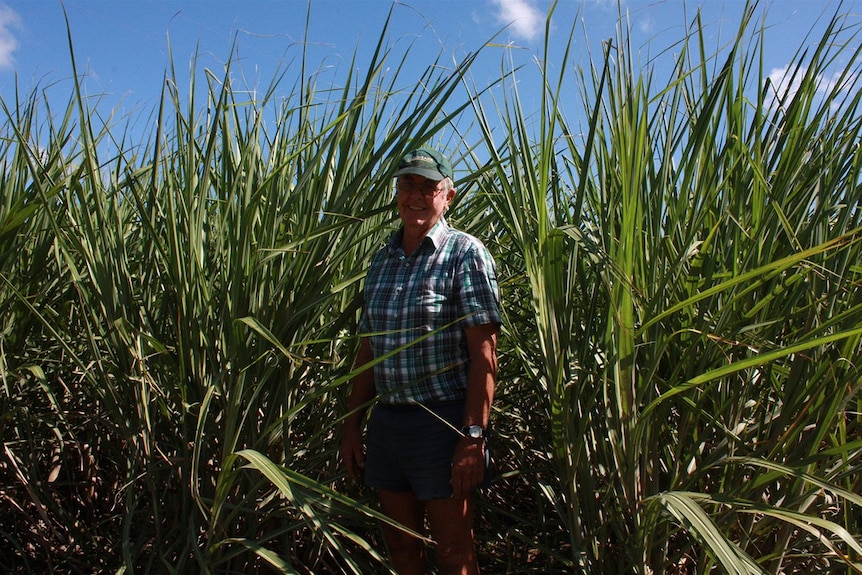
(439, 232)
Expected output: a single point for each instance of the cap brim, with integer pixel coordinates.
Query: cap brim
(424, 172)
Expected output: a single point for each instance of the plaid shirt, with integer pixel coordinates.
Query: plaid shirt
(450, 278)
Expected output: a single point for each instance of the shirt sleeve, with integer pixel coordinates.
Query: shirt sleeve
(479, 296)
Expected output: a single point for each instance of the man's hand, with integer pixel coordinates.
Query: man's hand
(353, 452)
(468, 465)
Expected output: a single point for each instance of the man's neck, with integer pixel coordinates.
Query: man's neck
(409, 242)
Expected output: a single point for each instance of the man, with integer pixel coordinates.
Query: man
(431, 296)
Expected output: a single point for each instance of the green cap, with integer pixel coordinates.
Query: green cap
(425, 162)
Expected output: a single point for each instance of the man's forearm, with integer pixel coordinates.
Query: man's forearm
(481, 377)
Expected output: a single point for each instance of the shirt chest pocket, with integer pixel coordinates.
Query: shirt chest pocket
(435, 299)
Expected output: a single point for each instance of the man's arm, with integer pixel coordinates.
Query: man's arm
(468, 464)
(362, 391)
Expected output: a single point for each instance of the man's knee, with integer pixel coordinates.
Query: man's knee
(406, 551)
(451, 529)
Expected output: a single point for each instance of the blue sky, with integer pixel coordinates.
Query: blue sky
(121, 46)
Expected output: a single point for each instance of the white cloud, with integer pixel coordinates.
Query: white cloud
(786, 81)
(525, 19)
(646, 24)
(8, 42)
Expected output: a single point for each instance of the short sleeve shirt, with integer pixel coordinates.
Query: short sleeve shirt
(417, 308)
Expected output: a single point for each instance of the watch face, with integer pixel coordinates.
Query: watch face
(475, 431)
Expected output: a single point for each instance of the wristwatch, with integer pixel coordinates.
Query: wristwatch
(473, 431)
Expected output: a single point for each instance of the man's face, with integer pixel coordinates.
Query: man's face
(421, 201)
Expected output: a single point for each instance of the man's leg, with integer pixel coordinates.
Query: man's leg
(451, 523)
(408, 552)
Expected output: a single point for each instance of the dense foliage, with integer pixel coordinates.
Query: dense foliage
(680, 365)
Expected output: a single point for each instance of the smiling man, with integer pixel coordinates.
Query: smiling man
(431, 290)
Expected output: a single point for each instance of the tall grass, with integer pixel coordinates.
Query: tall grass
(679, 366)
(690, 259)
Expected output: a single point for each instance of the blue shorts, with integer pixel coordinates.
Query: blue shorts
(410, 449)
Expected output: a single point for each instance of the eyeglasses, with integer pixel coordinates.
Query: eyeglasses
(428, 188)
